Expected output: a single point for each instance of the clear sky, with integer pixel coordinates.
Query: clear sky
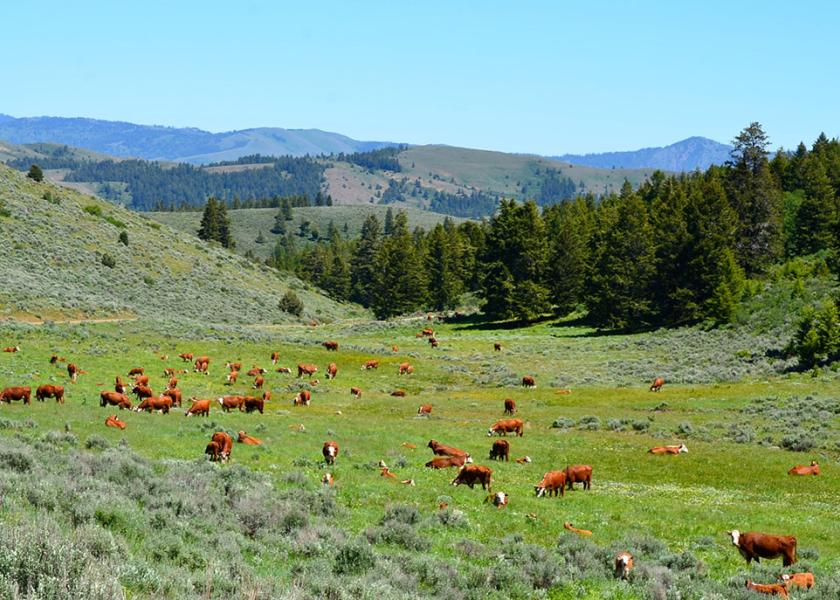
(521, 76)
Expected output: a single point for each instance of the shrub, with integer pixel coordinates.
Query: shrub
(4, 212)
(684, 429)
(123, 238)
(354, 557)
(590, 423)
(35, 173)
(798, 441)
(563, 423)
(109, 261)
(96, 442)
(115, 222)
(93, 209)
(290, 303)
(52, 199)
(817, 335)
(641, 425)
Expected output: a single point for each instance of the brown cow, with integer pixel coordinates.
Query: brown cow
(266, 395)
(173, 383)
(225, 442)
(228, 403)
(569, 527)
(802, 580)
(285, 370)
(433, 342)
(424, 410)
(499, 499)
(186, 356)
(213, 450)
(443, 450)
(427, 332)
(772, 589)
(174, 394)
(386, 472)
(250, 404)
(553, 481)
(141, 380)
(113, 421)
(371, 364)
(199, 407)
(331, 345)
(579, 473)
(524, 460)
(114, 399)
(72, 371)
(275, 356)
(16, 393)
(472, 474)
(753, 546)
(398, 393)
(142, 391)
(12, 349)
(394, 349)
(500, 450)
(169, 372)
(657, 384)
(332, 371)
(248, 440)
(202, 365)
(328, 480)
(510, 406)
(497, 347)
(231, 377)
(529, 382)
(444, 462)
(682, 448)
(330, 452)
(119, 385)
(162, 403)
(50, 391)
(623, 565)
(258, 382)
(302, 398)
(56, 359)
(406, 369)
(233, 366)
(306, 369)
(505, 426)
(357, 392)
(136, 371)
(813, 469)
(255, 371)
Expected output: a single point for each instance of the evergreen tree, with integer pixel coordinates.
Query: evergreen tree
(569, 226)
(35, 173)
(337, 279)
(209, 229)
(817, 214)
(223, 222)
(363, 274)
(401, 283)
(389, 221)
(279, 227)
(286, 209)
(445, 282)
(260, 238)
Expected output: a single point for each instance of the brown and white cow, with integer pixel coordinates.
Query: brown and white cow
(497, 347)
(623, 565)
(302, 398)
(232, 377)
(386, 472)
(398, 393)
(233, 366)
(142, 391)
(500, 450)
(202, 365)
(266, 396)
(433, 342)
(141, 380)
(529, 382)
(199, 408)
(425, 410)
(443, 450)
(113, 421)
(444, 462)
(505, 426)
(427, 332)
(114, 399)
(259, 381)
(285, 370)
(328, 480)
(174, 394)
(50, 391)
(771, 589)
(172, 383)
(801, 580)
(812, 469)
(499, 499)
(510, 406)
(275, 356)
(12, 349)
(225, 444)
(657, 384)
(472, 474)
(579, 474)
(331, 345)
(330, 452)
(370, 364)
(228, 403)
(332, 370)
(357, 392)
(306, 369)
(136, 371)
(213, 450)
(162, 404)
(72, 372)
(186, 356)
(682, 448)
(119, 385)
(250, 404)
(552, 482)
(406, 369)
(16, 393)
(754, 546)
(583, 532)
(255, 371)
(248, 440)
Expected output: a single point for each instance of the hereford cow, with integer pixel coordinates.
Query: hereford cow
(802, 580)
(623, 565)
(442, 450)
(16, 393)
(529, 382)
(386, 472)
(406, 369)
(12, 349)
(172, 383)
(73, 372)
(202, 365)
(398, 393)
(199, 407)
(231, 377)
(119, 386)
(444, 462)
(753, 546)
(553, 481)
(250, 404)
(579, 474)
(332, 371)
(225, 442)
(213, 450)
(114, 399)
(357, 392)
(266, 396)
(669, 449)
(394, 349)
(330, 452)
(186, 356)
(510, 406)
(813, 469)
(275, 356)
(258, 382)
(141, 380)
(233, 366)
(174, 394)
(50, 391)
(162, 403)
(771, 589)
(328, 480)
(505, 426)
(497, 347)
(246, 439)
(584, 532)
(472, 474)
(136, 371)
(371, 364)
(113, 421)
(425, 410)
(56, 359)
(331, 346)
(306, 369)
(142, 391)
(302, 398)
(524, 460)
(255, 371)
(500, 450)
(433, 342)
(499, 499)
(427, 332)
(228, 403)
(657, 384)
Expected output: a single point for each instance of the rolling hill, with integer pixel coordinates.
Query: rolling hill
(686, 155)
(55, 241)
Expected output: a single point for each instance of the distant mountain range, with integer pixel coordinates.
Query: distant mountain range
(155, 142)
(687, 155)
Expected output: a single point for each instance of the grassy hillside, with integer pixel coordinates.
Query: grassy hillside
(247, 223)
(54, 242)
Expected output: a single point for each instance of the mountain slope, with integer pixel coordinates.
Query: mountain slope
(52, 265)
(186, 144)
(686, 155)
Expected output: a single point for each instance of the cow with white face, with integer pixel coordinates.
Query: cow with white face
(330, 452)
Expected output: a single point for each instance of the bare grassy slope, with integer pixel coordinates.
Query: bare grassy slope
(52, 265)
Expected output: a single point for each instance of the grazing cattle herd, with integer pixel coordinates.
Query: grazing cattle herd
(751, 545)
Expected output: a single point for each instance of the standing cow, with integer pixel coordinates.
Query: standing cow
(500, 450)
(472, 474)
(754, 546)
(330, 452)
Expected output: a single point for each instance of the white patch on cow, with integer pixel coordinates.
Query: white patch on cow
(489, 433)
(683, 448)
(331, 450)
(624, 558)
(736, 536)
(468, 459)
(785, 577)
(540, 491)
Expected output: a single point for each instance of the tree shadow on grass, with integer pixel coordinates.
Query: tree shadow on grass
(479, 322)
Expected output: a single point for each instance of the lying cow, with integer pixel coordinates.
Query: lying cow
(330, 452)
(12, 349)
(16, 393)
(772, 589)
(199, 408)
(505, 426)
(552, 482)
(754, 546)
(582, 532)
(255, 371)
(248, 440)
(669, 449)
(812, 469)
(406, 369)
(398, 393)
(113, 421)
(445, 462)
(233, 366)
(500, 450)
(579, 474)
(371, 364)
(425, 410)
(623, 565)
(114, 399)
(50, 391)
(472, 474)
(444, 450)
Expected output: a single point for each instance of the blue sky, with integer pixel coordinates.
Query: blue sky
(542, 77)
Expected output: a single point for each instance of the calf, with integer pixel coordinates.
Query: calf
(657, 384)
(505, 426)
(16, 393)
(499, 499)
(579, 473)
(258, 382)
(225, 442)
(202, 365)
(302, 398)
(331, 346)
(812, 469)
(584, 532)
(669, 449)
(285, 370)
(623, 565)
(386, 472)
(114, 399)
(398, 393)
(186, 356)
(113, 421)
(255, 371)
(246, 439)
(330, 452)
(250, 404)
(529, 382)
(275, 356)
(443, 450)
(199, 407)
(213, 450)
(553, 481)
(228, 403)
(119, 386)
(406, 369)
(444, 462)
(772, 589)
(172, 383)
(497, 347)
(332, 371)
(524, 460)
(424, 410)
(328, 480)
(357, 392)
(433, 342)
(163, 404)
(174, 394)
(510, 406)
(266, 395)
(141, 380)
(72, 372)
(500, 450)
(754, 546)
(306, 369)
(370, 364)
(472, 474)
(136, 371)
(231, 377)
(802, 580)
(50, 391)
(232, 366)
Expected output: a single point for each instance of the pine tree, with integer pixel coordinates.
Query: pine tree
(337, 279)
(401, 281)
(223, 221)
(363, 274)
(569, 225)
(445, 283)
(279, 227)
(209, 229)
(286, 209)
(817, 213)
(389, 221)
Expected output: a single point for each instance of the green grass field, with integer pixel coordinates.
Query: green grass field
(715, 395)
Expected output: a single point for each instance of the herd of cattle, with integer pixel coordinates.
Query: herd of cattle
(751, 545)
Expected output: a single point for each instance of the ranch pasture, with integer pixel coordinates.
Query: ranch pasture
(149, 516)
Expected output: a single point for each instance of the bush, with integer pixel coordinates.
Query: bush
(96, 442)
(109, 261)
(684, 429)
(798, 441)
(124, 238)
(590, 423)
(817, 336)
(563, 423)
(353, 558)
(35, 173)
(290, 303)
(4, 212)
(52, 199)
(93, 209)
